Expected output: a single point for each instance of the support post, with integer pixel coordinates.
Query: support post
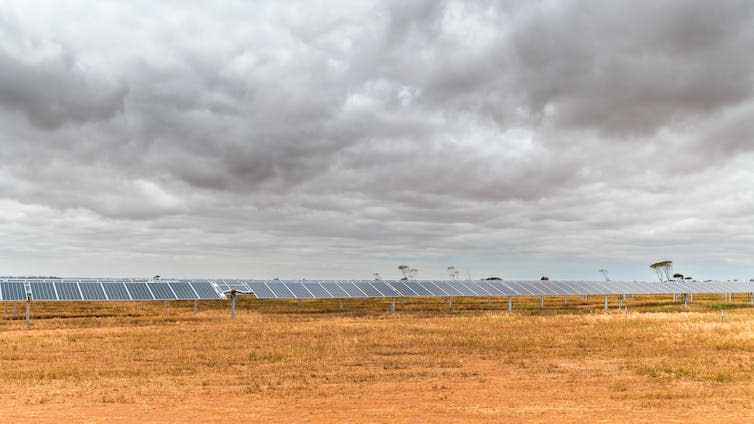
(340, 304)
(401, 303)
(142, 304)
(232, 303)
(489, 300)
(606, 302)
(392, 305)
(196, 306)
(510, 303)
(14, 310)
(298, 303)
(620, 301)
(28, 311)
(165, 305)
(685, 300)
(565, 300)
(450, 303)
(541, 301)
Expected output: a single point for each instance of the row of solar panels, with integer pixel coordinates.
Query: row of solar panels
(40, 289)
(278, 289)
(125, 289)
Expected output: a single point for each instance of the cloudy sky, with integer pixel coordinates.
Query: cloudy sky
(338, 139)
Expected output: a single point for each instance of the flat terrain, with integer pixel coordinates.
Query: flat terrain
(121, 362)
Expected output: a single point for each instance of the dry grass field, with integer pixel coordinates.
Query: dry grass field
(112, 362)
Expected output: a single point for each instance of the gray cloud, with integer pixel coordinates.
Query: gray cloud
(514, 136)
(43, 80)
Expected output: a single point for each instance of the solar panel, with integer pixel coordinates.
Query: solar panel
(13, 291)
(298, 289)
(182, 290)
(68, 291)
(317, 290)
(280, 290)
(43, 291)
(368, 289)
(464, 288)
(481, 291)
(493, 289)
(334, 289)
(92, 291)
(115, 291)
(161, 291)
(260, 290)
(139, 291)
(205, 290)
(505, 288)
(352, 289)
(384, 289)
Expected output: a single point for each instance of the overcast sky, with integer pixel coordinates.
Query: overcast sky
(338, 139)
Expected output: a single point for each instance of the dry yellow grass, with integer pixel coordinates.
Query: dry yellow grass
(108, 362)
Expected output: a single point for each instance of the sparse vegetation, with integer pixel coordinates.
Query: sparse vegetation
(112, 362)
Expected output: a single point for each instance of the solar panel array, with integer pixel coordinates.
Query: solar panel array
(14, 289)
(308, 289)
(294, 289)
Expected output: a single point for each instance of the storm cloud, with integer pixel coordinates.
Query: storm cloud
(340, 139)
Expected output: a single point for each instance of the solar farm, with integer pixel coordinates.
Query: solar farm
(219, 350)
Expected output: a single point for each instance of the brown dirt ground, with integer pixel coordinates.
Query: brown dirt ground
(275, 363)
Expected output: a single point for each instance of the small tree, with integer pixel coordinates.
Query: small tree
(407, 271)
(603, 271)
(453, 273)
(663, 269)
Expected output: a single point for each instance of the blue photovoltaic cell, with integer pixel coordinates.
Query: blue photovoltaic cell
(534, 287)
(501, 287)
(116, 291)
(298, 290)
(13, 291)
(384, 289)
(447, 288)
(368, 289)
(519, 289)
(68, 291)
(43, 291)
(490, 288)
(280, 290)
(592, 287)
(569, 288)
(161, 291)
(182, 290)
(139, 291)
(404, 289)
(92, 291)
(352, 289)
(335, 290)
(205, 290)
(463, 288)
(261, 290)
(478, 288)
(549, 288)
(317, 290)
(433, 288)
(418, 288)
